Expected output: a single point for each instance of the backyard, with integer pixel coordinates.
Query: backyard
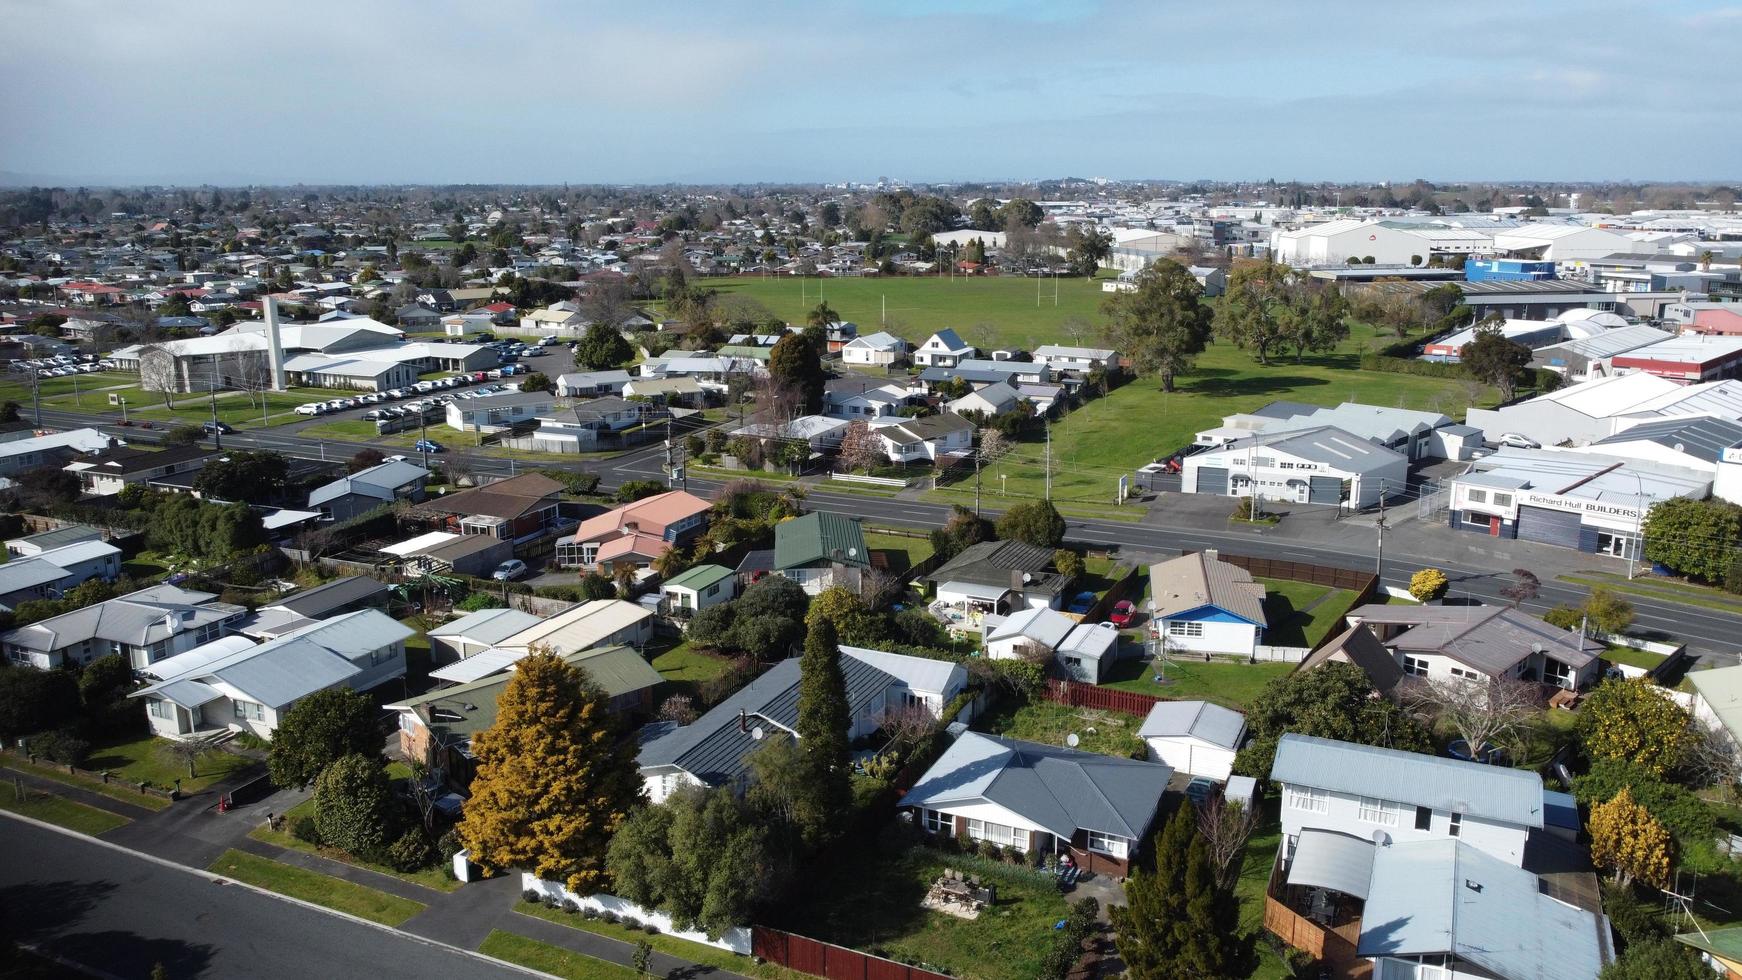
(902, 551)
(685, 669)
(1226, 682)
(1300, 613)
(1254, 878)
(1104, 732)
(869, 899)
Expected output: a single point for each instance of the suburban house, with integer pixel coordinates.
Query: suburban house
(1081, 651)
(448, 552)
(712, 750)
(233, 685)
(489, 413)
(878, 349)
(1095, 808)
(437, 728)
(697, 589)
(476, 632)
(145, 627)
(352, 593)
(990, 400)
(997, 577)
(682, 391)
(836, 335)
(591, 384)
(417, 318)
(636, 533)
(1198, 738)
(820, 432)
(817, 551)
(32, 545)
(1081, 359)
(597, 623)
(107, 472)
(46, 574)
(1416, 435)
(1481, 641)
(942, 349)
(54, 449)
(1415, 862)
(978, 371)
(1358, 645)
(519, 509)
(927, 438)
(853, 398)
(580, 428)
(1199, 603)
(367, 489)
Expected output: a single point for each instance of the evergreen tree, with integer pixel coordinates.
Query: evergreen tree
(824, 719)
(1214, 945)
(1035, 522)
(555, 778)
(1150, 930)
(320, 729)
(354, 805)
(794, 363)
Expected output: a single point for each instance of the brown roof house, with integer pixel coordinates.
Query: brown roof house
(520, 509)
(1201, 604)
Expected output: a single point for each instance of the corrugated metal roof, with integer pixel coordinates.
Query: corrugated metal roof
(1198, 719)
(819, 537)
(488, 625)
(1721, 687)
(699, 577)
(581, 627)
(1702, 437)
(1491, 792)
(1197, 580)
(1327, 859)
(1042, 624)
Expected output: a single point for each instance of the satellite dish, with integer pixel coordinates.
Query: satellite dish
(757, 733)
(1381, 838)
(1072, 740)
(852, 552)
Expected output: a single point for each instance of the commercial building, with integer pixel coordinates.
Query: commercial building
(1689, 357)
(1598, 408)
(1594, 357)
(1318, 465)
(1507, 270)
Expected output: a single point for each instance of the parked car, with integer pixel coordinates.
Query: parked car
(427, 446)
(210, 427)
(1081, 603)
(1200, 789)
(1515, 441)
(1123, 612)
(509, 570)
(309, 408)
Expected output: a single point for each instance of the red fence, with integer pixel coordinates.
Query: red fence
(828, 960)
(1078, 695)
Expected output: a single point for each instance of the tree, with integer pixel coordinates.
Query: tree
(821, 315)
(1214, 945)
(795, 362)
(1696, 538)
(157, 372)
(1035, 522)
(537, 381)
(1068, 563)
(633, 490)
(824, 719)
(642, 958)
(1333, 700)
(1657, 959)
(1525, 587)
(1314, 318)
(1256, 308)
(1428, 584)
(853, 622)
(1162, 324)
(861, 449)
(1634, 722)
(48, 486)
(1486, 713)
(189, 751)
(244, 475)
(354, 806)
(103, 688)
(1495, 360)
(1607, 611)
(320, 729)
(364, 459)
(34, 700)
(555, 777)
(1628, 842)
(1022, 212)
(1225, 826)
(1148, 930)
(703, 857)
(602, 347)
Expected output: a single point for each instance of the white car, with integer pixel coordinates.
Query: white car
(309, 408)
(1515, 441)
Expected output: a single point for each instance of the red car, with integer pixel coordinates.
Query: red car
(1123, 612)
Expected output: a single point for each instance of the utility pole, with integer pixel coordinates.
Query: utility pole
(217, 432)
(36, 394)
(668, 469)
(976, 483)
(1379, 559)
(1049, 461)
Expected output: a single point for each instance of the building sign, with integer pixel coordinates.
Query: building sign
(1593, 512)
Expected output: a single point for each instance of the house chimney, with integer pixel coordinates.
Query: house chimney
(1212, 554)
(743, 721)
(274, 350)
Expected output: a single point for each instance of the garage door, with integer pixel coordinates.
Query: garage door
(1559, 527)
(1325, 490)
(1212, 481)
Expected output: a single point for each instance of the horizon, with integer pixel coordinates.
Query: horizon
(537, 93)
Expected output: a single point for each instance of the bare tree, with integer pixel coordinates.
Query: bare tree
(1484, 712)
(680, 708)
(1713, 759)
(908, 724)
(157, 371)
(877, 587)
(424, 792)
(189, 751)
(993, 444)
(778, 401)
(1525, 587)
(1226, 825)
(861, 448)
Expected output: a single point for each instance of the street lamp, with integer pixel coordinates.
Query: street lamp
(1638, 543)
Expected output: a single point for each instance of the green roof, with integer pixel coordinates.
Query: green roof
(817, 538)
(1724, 943)
(699, 577)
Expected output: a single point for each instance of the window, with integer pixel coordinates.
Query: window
(1109, 845)
(1301, 798)
(1502, 499)
(249, 711)
(1478, 496)
(997, 833)
(1415, 665)
(1456, 825)
(1378, 811)
(160, 709)
(938, 822)
(713, 590)
(1176, 628)
(1465, 673)
(1424, 818)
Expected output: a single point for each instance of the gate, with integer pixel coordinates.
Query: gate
(1433, 500)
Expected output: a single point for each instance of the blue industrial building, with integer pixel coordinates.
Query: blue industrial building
(1507, 270)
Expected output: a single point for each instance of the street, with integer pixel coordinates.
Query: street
(119, 913)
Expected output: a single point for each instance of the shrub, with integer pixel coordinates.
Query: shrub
(571, 906)
(1013, 854)
(631, 923)
(304, 828)
(477, 601)
(552, 902)
(609, 916)
(589, 913)
(411, 852)
(990, 850)
(1565, 617)
(450, 844)
(650, 929)
(64, 746)
(532, 895)
(1428, 584)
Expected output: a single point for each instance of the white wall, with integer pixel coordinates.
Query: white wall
(1192, 756)
(1234, 638)
(1504, 842)
(659, 786)
(735, 940)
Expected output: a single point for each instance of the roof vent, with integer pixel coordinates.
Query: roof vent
(1473, 886)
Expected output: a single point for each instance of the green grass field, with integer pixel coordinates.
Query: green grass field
(706, 956)
(148, 760)
(903, 552)
(1221, 681)
(1254, 877)
(1662, 589)
(312, 886)
(86, 386)
(1104, 732)
(61, 812)
(1292, 623)
(553, 960)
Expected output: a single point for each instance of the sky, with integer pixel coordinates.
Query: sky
(657, 91)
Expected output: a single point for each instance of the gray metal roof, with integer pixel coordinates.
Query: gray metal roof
(1335, 448)
(321, 600)
(1062, 790)
(1492, 639)
(21, 574)
(993, 562)
(70, 534)
(281, 671)
(138, 618)
(1445, 896)
(376, 481)
(1702, 437)
(488, 626)
(1197, 719)
(1328, 859)
(1495, 793)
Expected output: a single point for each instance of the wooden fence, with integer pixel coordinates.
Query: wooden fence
(821, 959)
(1080, 695)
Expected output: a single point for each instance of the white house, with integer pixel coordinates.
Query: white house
(879, 350)
(1084, 359)
(1028, 632)
(699, 588)
(1194, 737)
(1319, 465)
(232, 684)
(47, 574)
(926, 438)
(145, 627)
(491, 412)
(591, 384)
(942, 349)
(476, 632)
(993, 399)
(860, 400)
(1201, 604)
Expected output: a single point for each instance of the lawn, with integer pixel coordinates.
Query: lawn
(1105, 732)
(1254, 878)
(357, 430)
(683, 949)
(553, 960)
(147, 759)
(903, 552)
(18, 390)
(1225, 682)
(60, 812)
(1661, 589)
(234, 409)
(685, 669)
(1642, 659)
(435, 877)
(113, 790)
(1292, 623)
(312, 886)
(869, 899)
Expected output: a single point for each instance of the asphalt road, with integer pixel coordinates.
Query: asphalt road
(117, 914)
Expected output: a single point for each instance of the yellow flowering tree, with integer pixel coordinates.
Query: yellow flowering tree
(1633, 721)
(555, 779)
(1428, 584)
(1627, 841)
